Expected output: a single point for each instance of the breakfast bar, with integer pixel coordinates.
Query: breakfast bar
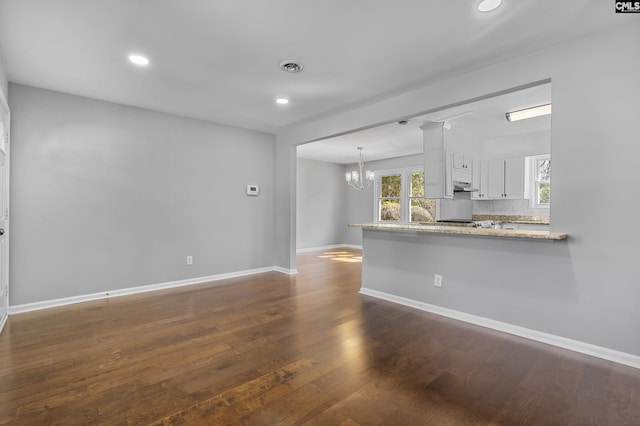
(496, 278)
(462, 230)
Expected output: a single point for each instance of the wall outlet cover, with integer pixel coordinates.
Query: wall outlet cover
(253, 190)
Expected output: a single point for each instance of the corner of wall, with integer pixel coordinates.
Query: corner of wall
(4, 83)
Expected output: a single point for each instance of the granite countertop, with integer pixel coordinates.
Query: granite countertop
(457, 230)
(503, 218)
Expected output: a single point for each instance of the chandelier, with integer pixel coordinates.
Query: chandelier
(359, 180)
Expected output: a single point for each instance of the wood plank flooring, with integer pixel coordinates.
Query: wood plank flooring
(272, 349)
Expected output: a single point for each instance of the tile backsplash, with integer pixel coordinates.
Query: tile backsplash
(507, 207)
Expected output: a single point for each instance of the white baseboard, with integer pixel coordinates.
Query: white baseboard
(34, 306)
(332, 247)
(562, 342)
(285, 271)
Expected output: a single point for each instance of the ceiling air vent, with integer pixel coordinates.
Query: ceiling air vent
(291, 66)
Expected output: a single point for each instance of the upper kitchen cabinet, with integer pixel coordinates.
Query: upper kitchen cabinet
(479, 179)
(505, 179)
(462, 161)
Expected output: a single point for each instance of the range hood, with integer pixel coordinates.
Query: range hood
(463, 187)
(462, 181)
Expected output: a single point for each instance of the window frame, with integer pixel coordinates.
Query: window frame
(377, 186)
(534, 183)
(405, 193)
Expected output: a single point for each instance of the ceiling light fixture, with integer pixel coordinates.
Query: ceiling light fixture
(359, 180)
(139, 60)
(488, 5)
(291, 66)
(532, 112)
(282, 101)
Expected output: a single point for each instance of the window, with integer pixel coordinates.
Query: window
(400, 197)
(422, 209)
(540, 167)
(390, 197)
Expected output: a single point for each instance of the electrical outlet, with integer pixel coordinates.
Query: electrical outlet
(437, 280)
(189, 260)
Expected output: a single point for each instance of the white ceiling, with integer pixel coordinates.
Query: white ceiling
(484, 118)
(218, 59)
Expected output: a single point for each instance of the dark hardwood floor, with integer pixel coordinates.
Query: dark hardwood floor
(308, 349)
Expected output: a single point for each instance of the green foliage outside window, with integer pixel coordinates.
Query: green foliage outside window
(543, 181)
(391, 186)
(422, 209)
(390, 193)
(391, 199)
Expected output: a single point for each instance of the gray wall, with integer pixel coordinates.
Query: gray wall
(284, 243)
(591, 282)
(321, 196)
(106, 196)
(530, 284)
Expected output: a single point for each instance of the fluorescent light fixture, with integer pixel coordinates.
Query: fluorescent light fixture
(282, 101)
(489, 5)
(139, 60)
(532, 112)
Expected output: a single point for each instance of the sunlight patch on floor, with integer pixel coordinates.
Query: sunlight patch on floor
(341, 256)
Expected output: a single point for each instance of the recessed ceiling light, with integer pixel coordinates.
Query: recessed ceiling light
(489, 5)
(139, 60)
(282, 101)
(291, 66)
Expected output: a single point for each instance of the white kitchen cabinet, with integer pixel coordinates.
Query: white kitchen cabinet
(462, 171)
(495, 179)
(505, 180)
(514, 178)
(462, 161)
(479, 180)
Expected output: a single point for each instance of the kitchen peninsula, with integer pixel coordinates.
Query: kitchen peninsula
(495, 278)
(461, 230)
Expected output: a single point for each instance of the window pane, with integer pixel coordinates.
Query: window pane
(544, 170)
(391, 186)
(390, 210)
(544, 193)
(423, 210)
(417, 184)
